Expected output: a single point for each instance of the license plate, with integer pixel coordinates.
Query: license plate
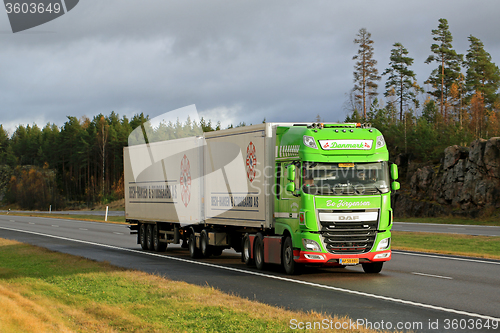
(349, 261)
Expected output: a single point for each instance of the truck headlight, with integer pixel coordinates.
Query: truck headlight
(380, 142)
(311, 245)
(309, 142)
(384, 244)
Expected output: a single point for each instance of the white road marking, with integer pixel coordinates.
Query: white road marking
(12, 221)
(118, 233)
(31, 223)
(55, 226)
(449, 258)
(432, 275)
(311, 284)
(83, 229)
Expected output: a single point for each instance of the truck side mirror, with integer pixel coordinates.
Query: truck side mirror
(395, 186)
(290, 187)
(290, 170)
(394, 171)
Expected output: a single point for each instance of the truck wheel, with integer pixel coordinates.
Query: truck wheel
(142, 236)
(158, 246)
(290, 266)
(204, 247)
(373, 268)
(193, 251)
(246, 251)
(258, 251)
(149, 237)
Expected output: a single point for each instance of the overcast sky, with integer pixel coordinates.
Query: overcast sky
(284, 60)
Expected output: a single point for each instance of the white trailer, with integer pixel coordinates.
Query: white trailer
(211, 189)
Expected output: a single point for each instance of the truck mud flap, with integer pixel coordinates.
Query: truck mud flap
(272, 249)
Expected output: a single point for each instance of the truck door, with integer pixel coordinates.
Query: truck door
(287, 203)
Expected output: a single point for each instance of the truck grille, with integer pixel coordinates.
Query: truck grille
(348, 231)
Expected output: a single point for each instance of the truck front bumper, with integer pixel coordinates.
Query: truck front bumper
(328, 259)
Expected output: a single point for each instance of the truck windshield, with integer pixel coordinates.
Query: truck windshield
(345, 178)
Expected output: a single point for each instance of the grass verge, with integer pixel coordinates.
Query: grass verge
(44, 291)
(493, 221)
(82, 217)
(455, 244)
(121, 219)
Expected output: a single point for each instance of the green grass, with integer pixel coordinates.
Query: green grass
(464, 245)
(44, 291)
(493, 221)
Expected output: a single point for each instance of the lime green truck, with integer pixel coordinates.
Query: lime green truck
(296, 195)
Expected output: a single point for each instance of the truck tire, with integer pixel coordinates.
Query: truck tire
(158, 246)
(258, 251)
(205, 249)
(246, 251)
(142, 236)
(194, 252)
(149, 237)
(290, 266)
(373, 268)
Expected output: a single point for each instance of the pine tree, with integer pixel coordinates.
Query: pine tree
(4, 140)
(365, 74)
(482, 74)
(449, 61)
(401, 81)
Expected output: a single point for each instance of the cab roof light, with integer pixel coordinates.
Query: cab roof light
(316, 125)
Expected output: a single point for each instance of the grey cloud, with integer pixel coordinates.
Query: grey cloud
(283, 60)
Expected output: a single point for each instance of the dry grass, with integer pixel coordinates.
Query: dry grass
(20, 314)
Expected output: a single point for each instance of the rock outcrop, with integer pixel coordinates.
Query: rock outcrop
(466, 182)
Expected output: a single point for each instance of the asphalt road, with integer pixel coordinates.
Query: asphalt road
(415, 290)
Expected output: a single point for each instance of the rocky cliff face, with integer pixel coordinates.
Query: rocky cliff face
(466, 182)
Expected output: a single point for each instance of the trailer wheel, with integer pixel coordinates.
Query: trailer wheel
(204, 247)
(193, 251)
(258, 251)
(142, 236)
(149, 237)
(373, 268)
(158, 246)
(246, 251)
(290, 266)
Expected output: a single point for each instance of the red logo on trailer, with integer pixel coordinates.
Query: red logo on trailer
(251, 162)
(185, 181)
